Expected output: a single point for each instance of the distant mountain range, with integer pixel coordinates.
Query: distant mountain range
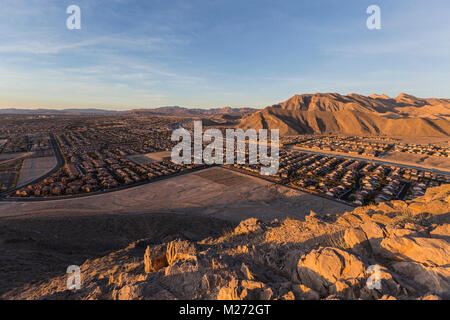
(322, 113)
(175, 110)
(355, 114)
(54, 112)
(169, 110)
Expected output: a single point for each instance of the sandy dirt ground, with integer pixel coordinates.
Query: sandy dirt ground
(33, 168)
(6, 157)
(419, 159)
(150, 157)
(439, 141)
(214, 192)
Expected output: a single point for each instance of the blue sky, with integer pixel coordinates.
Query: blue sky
(139, 54)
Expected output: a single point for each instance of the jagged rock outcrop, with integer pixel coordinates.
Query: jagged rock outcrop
(386, 251)
(331, 271)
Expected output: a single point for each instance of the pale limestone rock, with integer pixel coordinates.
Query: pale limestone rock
(229, 292)
(321, 268)
(179, 249)
(374, 234)
(387, 283)
(430, 297)
(252, 285)
(302, 292)
(266, 294)
(409, 229)
(399, 205)
(248, 226)
(349, 219)
(388, 297)
(288, 296)
(357, 240)
(342, 289)
(442, 232)
(424, 250)
(385, 207)
(382, 219)
(435, 279)
(436, 207)
(131, 292)
(418, 208)
(416, 260)
(154, 259)
(205, 284)
(246, 272)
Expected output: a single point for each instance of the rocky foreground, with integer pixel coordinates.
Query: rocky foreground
(396, 250)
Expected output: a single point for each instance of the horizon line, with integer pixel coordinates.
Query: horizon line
(125, 109)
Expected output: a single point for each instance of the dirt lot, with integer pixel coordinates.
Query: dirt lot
(34, 168)
(150, 157)
(439, 141)
(6, 157)
(215, 192)
(420, 159)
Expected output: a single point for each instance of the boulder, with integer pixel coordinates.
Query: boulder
(288, 296)
(374, 234)
(441, 232)
(154, 259)
(302, 292)
(382, 219)
(435, 207)
(430, 297)
(248, 226)
(434, 279)
(388, 297)
(322, 268)
(266, 294)
(408, 229)
(131, 292)
(342, 289)
(229, 291)
(349, 219)
(246, 272)
(433, 252)
(383, 282)
(357, 240)
(179, 249)
(252, 285)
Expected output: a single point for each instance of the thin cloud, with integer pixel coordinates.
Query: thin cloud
(55, 47)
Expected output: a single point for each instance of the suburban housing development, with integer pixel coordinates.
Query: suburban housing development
(105, 153)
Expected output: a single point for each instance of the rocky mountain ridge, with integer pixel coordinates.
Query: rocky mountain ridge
(332, 113)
